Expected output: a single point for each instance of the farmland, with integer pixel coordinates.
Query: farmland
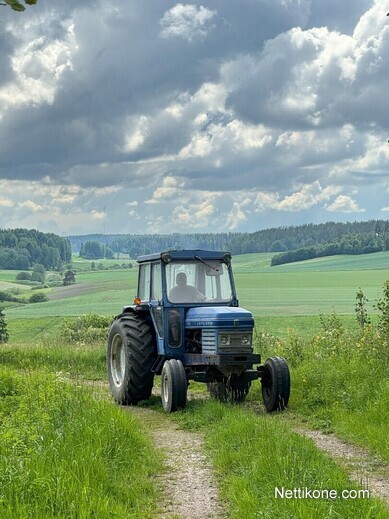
(300, 291)
(251, 452)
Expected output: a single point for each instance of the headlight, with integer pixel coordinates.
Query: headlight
(245, 340)
(224, 340)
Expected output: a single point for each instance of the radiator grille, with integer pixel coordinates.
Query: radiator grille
(208, 339)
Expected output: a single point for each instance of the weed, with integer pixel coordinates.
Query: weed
(360, 309)
(383, 307)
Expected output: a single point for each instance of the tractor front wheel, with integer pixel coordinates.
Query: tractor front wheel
(275, 384)
(130, 356)
(174, 386)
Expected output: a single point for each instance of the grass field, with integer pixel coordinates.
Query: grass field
(289, 296)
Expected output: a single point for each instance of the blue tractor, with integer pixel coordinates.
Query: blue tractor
(186, 324)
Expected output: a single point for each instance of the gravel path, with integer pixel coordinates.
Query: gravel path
(188, 483)
(369, 472)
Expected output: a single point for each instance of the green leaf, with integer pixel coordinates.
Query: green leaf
(15, 5)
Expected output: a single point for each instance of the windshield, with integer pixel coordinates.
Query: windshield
(197, 281)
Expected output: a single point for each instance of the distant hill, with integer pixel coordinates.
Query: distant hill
(306, 241)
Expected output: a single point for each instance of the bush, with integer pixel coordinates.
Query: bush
(23, 276)
(69, 278)
(85, 328)
(39, 297)
(383, 307)
(6, 296)
(3, 328)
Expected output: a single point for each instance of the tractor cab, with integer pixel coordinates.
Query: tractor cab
(186, 324)
(186, 292)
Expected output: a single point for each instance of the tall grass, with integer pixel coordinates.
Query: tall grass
(76, 346)
(339, 380)
(64, 454)
(78, 361)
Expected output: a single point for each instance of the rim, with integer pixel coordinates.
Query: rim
(118, 360)
(165, 391)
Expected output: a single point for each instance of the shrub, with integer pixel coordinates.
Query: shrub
(69, 278)
(39, 297)
(85, 328)
(360, 309)
(3, 328)
(6, 296)
(383, 307)
(23, 276)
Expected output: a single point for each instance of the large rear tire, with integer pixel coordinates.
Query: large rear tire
(130, 356)
(174, 386)
(275, 384)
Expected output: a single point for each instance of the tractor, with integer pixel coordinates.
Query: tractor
(186, 324)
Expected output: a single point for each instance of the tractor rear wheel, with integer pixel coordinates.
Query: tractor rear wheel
(174, 386)
(234, 389)
(275, 384)
(130, 356)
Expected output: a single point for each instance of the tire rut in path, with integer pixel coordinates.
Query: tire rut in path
(369, 472)
(188, 484)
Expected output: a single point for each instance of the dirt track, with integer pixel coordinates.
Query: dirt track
(366, 470)
(188, 484)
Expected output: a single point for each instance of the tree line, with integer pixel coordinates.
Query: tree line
(359, 238)
(20, 249)
(138, 244)
(351, 244)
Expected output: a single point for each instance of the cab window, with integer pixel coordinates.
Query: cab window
(156, 289)
(144, 282)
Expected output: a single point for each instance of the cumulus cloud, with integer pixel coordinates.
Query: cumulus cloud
(38, 67)
(344, 204)
(31, 206)
(308, 196)
(193, 216)
(5, 202)
(169, 189)
(235, 217)
(187, 21)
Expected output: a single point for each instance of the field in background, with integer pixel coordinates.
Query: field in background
(288, 296)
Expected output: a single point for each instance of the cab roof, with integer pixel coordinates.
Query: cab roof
(185, 255)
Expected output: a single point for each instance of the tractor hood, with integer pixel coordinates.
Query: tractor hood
(219, 317)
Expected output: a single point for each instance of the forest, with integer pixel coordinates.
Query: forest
(310, 240)
(20, 249)
(348, 244)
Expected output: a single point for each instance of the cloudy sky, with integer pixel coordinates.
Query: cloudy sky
(158, 116)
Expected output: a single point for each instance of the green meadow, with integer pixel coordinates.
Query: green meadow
(287, 296)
